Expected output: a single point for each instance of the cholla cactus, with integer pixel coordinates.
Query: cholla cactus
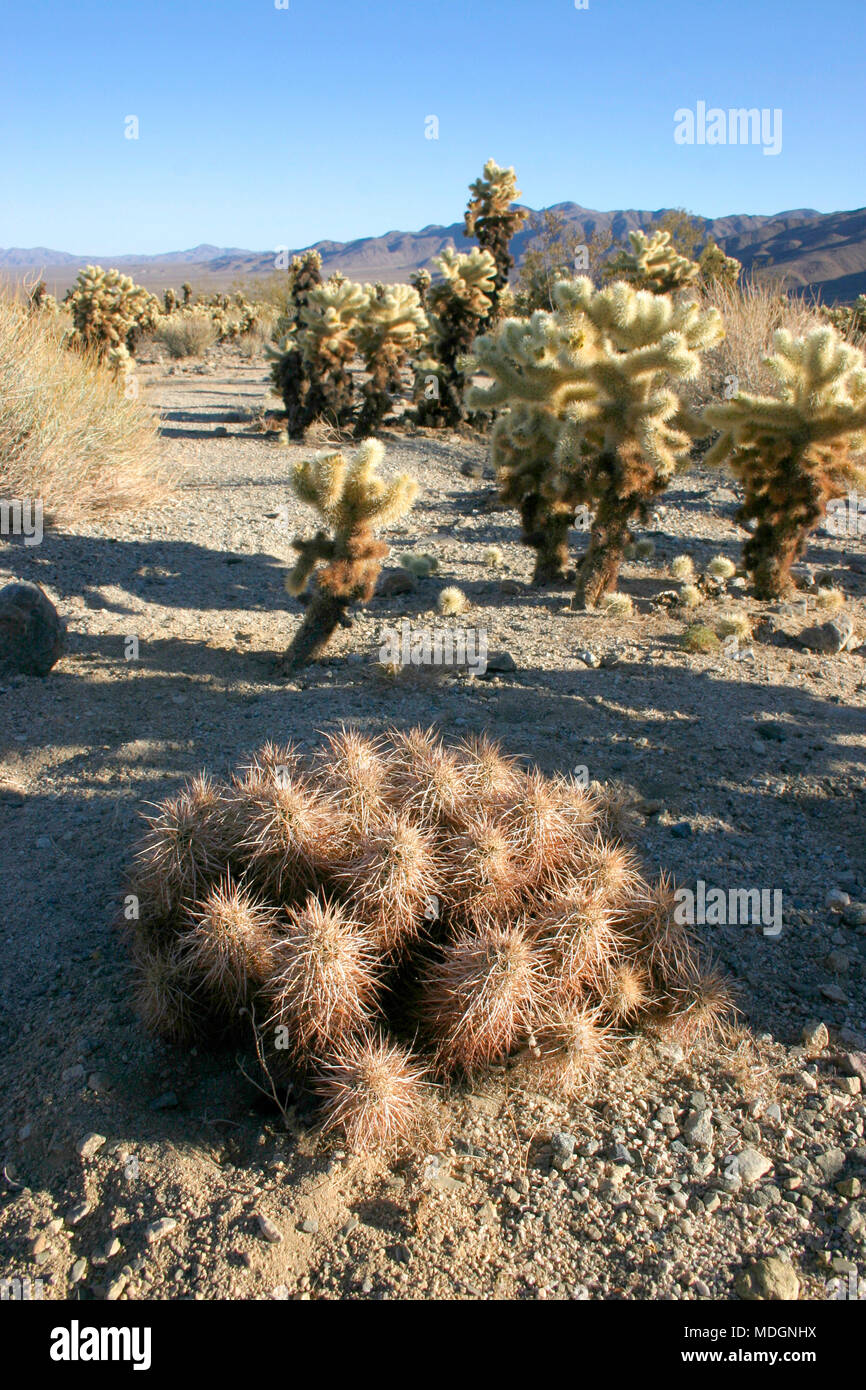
(353, 501)
(169, 299)
(108, 309)
(311, 371)
(457, 305)
(794, 452)
(848, 319)
(421, 280)
(652, 264)
(40, 301)
(391, 328)
(717, 268)
(538, 369)
(620, 445)
(491, 218)
(391, 910)
(186, 290)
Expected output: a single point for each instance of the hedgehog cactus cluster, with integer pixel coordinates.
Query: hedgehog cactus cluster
(390, 913)
(108, 310)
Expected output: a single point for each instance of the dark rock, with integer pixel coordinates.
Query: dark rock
(32, 634)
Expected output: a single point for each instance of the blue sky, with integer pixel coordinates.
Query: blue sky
(262, 127)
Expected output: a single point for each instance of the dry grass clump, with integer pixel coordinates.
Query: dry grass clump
(68, 433)
(392, 910)
(186, 335)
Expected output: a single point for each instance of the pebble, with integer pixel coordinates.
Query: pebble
(815, 1036)
(157, 1229)
(268, 1229)
(76, 1214)
(78, 1271)
(90, 1145)
(310, 1226)
(769, 1279)
(751, 1165)
(698, 1128)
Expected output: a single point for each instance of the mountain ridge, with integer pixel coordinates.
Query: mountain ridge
(821, 254)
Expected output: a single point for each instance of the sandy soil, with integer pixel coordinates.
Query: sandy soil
(750, 773)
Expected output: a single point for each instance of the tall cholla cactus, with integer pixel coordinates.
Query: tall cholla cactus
(793, 453)
(491, 218)
(391, 328)
(457, 306)
(311, 370)
(620, 444)
(108, 309)
(421, 280)
(538, 369)
(394, 911)
(353, 501)
(652, 264)
(717, 268)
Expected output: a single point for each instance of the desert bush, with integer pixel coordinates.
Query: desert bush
(493, 221)
(391, 912)
(68, 434)
(186, 334)
(794, 451)
(109, 310)
(457, 305)
(353, 501)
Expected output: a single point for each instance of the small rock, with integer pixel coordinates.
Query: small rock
(698, 1129)
(855, 915)
(116, 1287)
(78, 1271)
(563, 1145)
(836, 900)
(849, 1187)
(815, 1036)
(310, 1225)
(854, 1064)
(268, 1229)
(830, 1162)
(220, 431)
(589, 658)
(76, 1214)
(157, 1229)
(831, 637)
(32, 634)
(90, 1145)
(393, 582)
(501, 661)
(751, 1165)
(770, 1279)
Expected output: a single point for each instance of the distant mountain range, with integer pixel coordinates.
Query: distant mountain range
(815, 253)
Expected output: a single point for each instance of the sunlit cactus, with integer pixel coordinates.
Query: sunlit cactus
(312, 370)
(653, 263)
(457, 306)
(391, 328)
(493, 219)
(796, 451)
(353, 502)
(620, 446)
(108, 310)
(387, 913)
(717, 268)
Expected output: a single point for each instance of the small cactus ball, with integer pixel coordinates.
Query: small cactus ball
(380, 916)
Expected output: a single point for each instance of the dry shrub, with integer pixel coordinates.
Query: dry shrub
(68, 434)
(186, 335)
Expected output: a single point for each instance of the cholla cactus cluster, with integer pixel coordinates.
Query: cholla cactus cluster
(591, 418)
(793, 452)
(108, 310)
(311, 370)
(394, 912)
(458, 305)
(353, 502)
(716, 268)
(493, 220)
(653, 263)
(391, 329)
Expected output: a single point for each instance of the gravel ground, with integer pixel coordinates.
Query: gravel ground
(133, 1171)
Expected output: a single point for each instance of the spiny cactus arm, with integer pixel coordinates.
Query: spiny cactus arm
(320, 481)
(318, 550)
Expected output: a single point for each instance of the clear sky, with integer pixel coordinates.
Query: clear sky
(262, 127)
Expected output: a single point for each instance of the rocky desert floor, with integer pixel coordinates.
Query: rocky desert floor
(133, 1170)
